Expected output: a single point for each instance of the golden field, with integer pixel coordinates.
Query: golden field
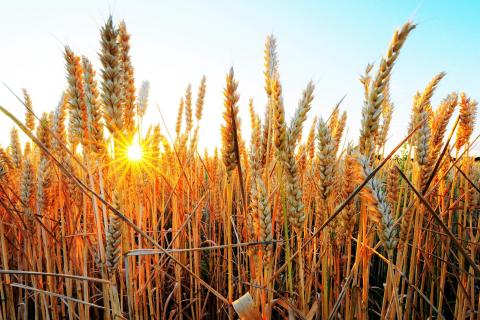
(102, 221)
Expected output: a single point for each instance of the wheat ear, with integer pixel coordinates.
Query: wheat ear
(128, 80)
(111, 73)
(29, 117)
(468, 111)
(230, 116)
(372, 108)
(113, 239)
(373, 195)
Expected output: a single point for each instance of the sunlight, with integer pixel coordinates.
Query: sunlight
(135, 152)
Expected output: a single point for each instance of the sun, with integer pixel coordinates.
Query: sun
(135, 152)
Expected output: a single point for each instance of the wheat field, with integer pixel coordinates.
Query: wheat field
(101, 219)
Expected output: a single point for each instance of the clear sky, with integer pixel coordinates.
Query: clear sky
(175, 42)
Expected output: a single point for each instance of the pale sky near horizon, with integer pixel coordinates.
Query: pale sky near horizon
(175, 42)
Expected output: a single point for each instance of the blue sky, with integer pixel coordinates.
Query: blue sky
(175, 42)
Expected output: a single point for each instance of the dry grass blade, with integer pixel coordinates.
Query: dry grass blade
(61, 296)
(58, 275)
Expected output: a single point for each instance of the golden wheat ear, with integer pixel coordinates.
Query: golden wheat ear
(113, 240)
(468, 112)
(111, 74)
(142, 98)
(280, 138)
(304, 106)
(373, 195)
(229, 129)
(372, 109)
(94, 114)
(29, 118)
(127, 80)
(326, 158)
(200, 98)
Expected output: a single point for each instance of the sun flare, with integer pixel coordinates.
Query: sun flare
(135, 152)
